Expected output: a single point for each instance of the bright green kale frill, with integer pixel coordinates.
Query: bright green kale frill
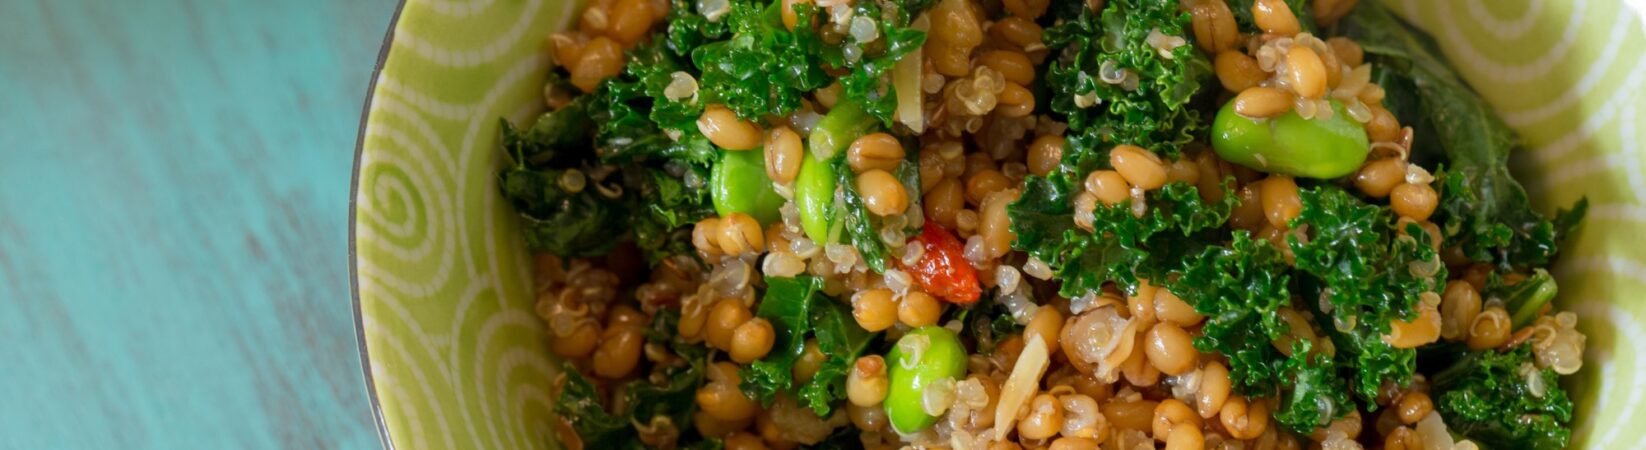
(1368, 273)
(758, 67)
(1241, 289)
(1113, 87)
(1123, 247)
(747, 60)
(1503, 400)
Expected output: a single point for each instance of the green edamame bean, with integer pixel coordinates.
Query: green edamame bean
(814, 186)
(814, 195)
(912, 372)
(739, 184)
(836, 131)
(1290, 144)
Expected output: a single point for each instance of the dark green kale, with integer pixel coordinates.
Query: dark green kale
(581, 403)
(664, 205)
(842, 340)
(1241, 289)
(787, 304)
(557, 137)
(644, 203)
(1145, 100)
(653, 185)
(797, 308)
(860, 229)
(1503, 400)
(567, 223)
(984, 324)
(689, 29)
(1367, 273)
(1313, 392)
(1123, 247)
(638, 122)
(1482, 207)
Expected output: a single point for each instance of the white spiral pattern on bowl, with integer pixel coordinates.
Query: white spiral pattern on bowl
(458, 356)
(459, 360)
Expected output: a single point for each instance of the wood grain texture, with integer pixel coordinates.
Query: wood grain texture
(174, 180)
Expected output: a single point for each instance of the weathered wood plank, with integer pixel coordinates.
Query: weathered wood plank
(174, 183)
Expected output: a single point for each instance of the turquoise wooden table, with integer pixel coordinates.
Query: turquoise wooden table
(174, 187)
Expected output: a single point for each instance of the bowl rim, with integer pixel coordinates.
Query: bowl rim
(354, 256)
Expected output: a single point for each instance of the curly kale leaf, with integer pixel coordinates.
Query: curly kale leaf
(563, 222)
(664, 205)
(1490, 397)
(1151, 107)
(650, 201)
(568, 224)
(656, 190)
(748, 61)
(1314, 393)
(689, 29)
(797, 308)
(763, 68)
(1372, 268)
(1241, 288)
(1369, 273)
(1482, 207)
(1122, 247)
(638, 123)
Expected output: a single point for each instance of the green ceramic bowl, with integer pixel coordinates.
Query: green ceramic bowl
(456, 358)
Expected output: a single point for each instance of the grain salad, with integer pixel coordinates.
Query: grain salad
(1015, 224)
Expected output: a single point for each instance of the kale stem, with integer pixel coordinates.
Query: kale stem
(1529, 297)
